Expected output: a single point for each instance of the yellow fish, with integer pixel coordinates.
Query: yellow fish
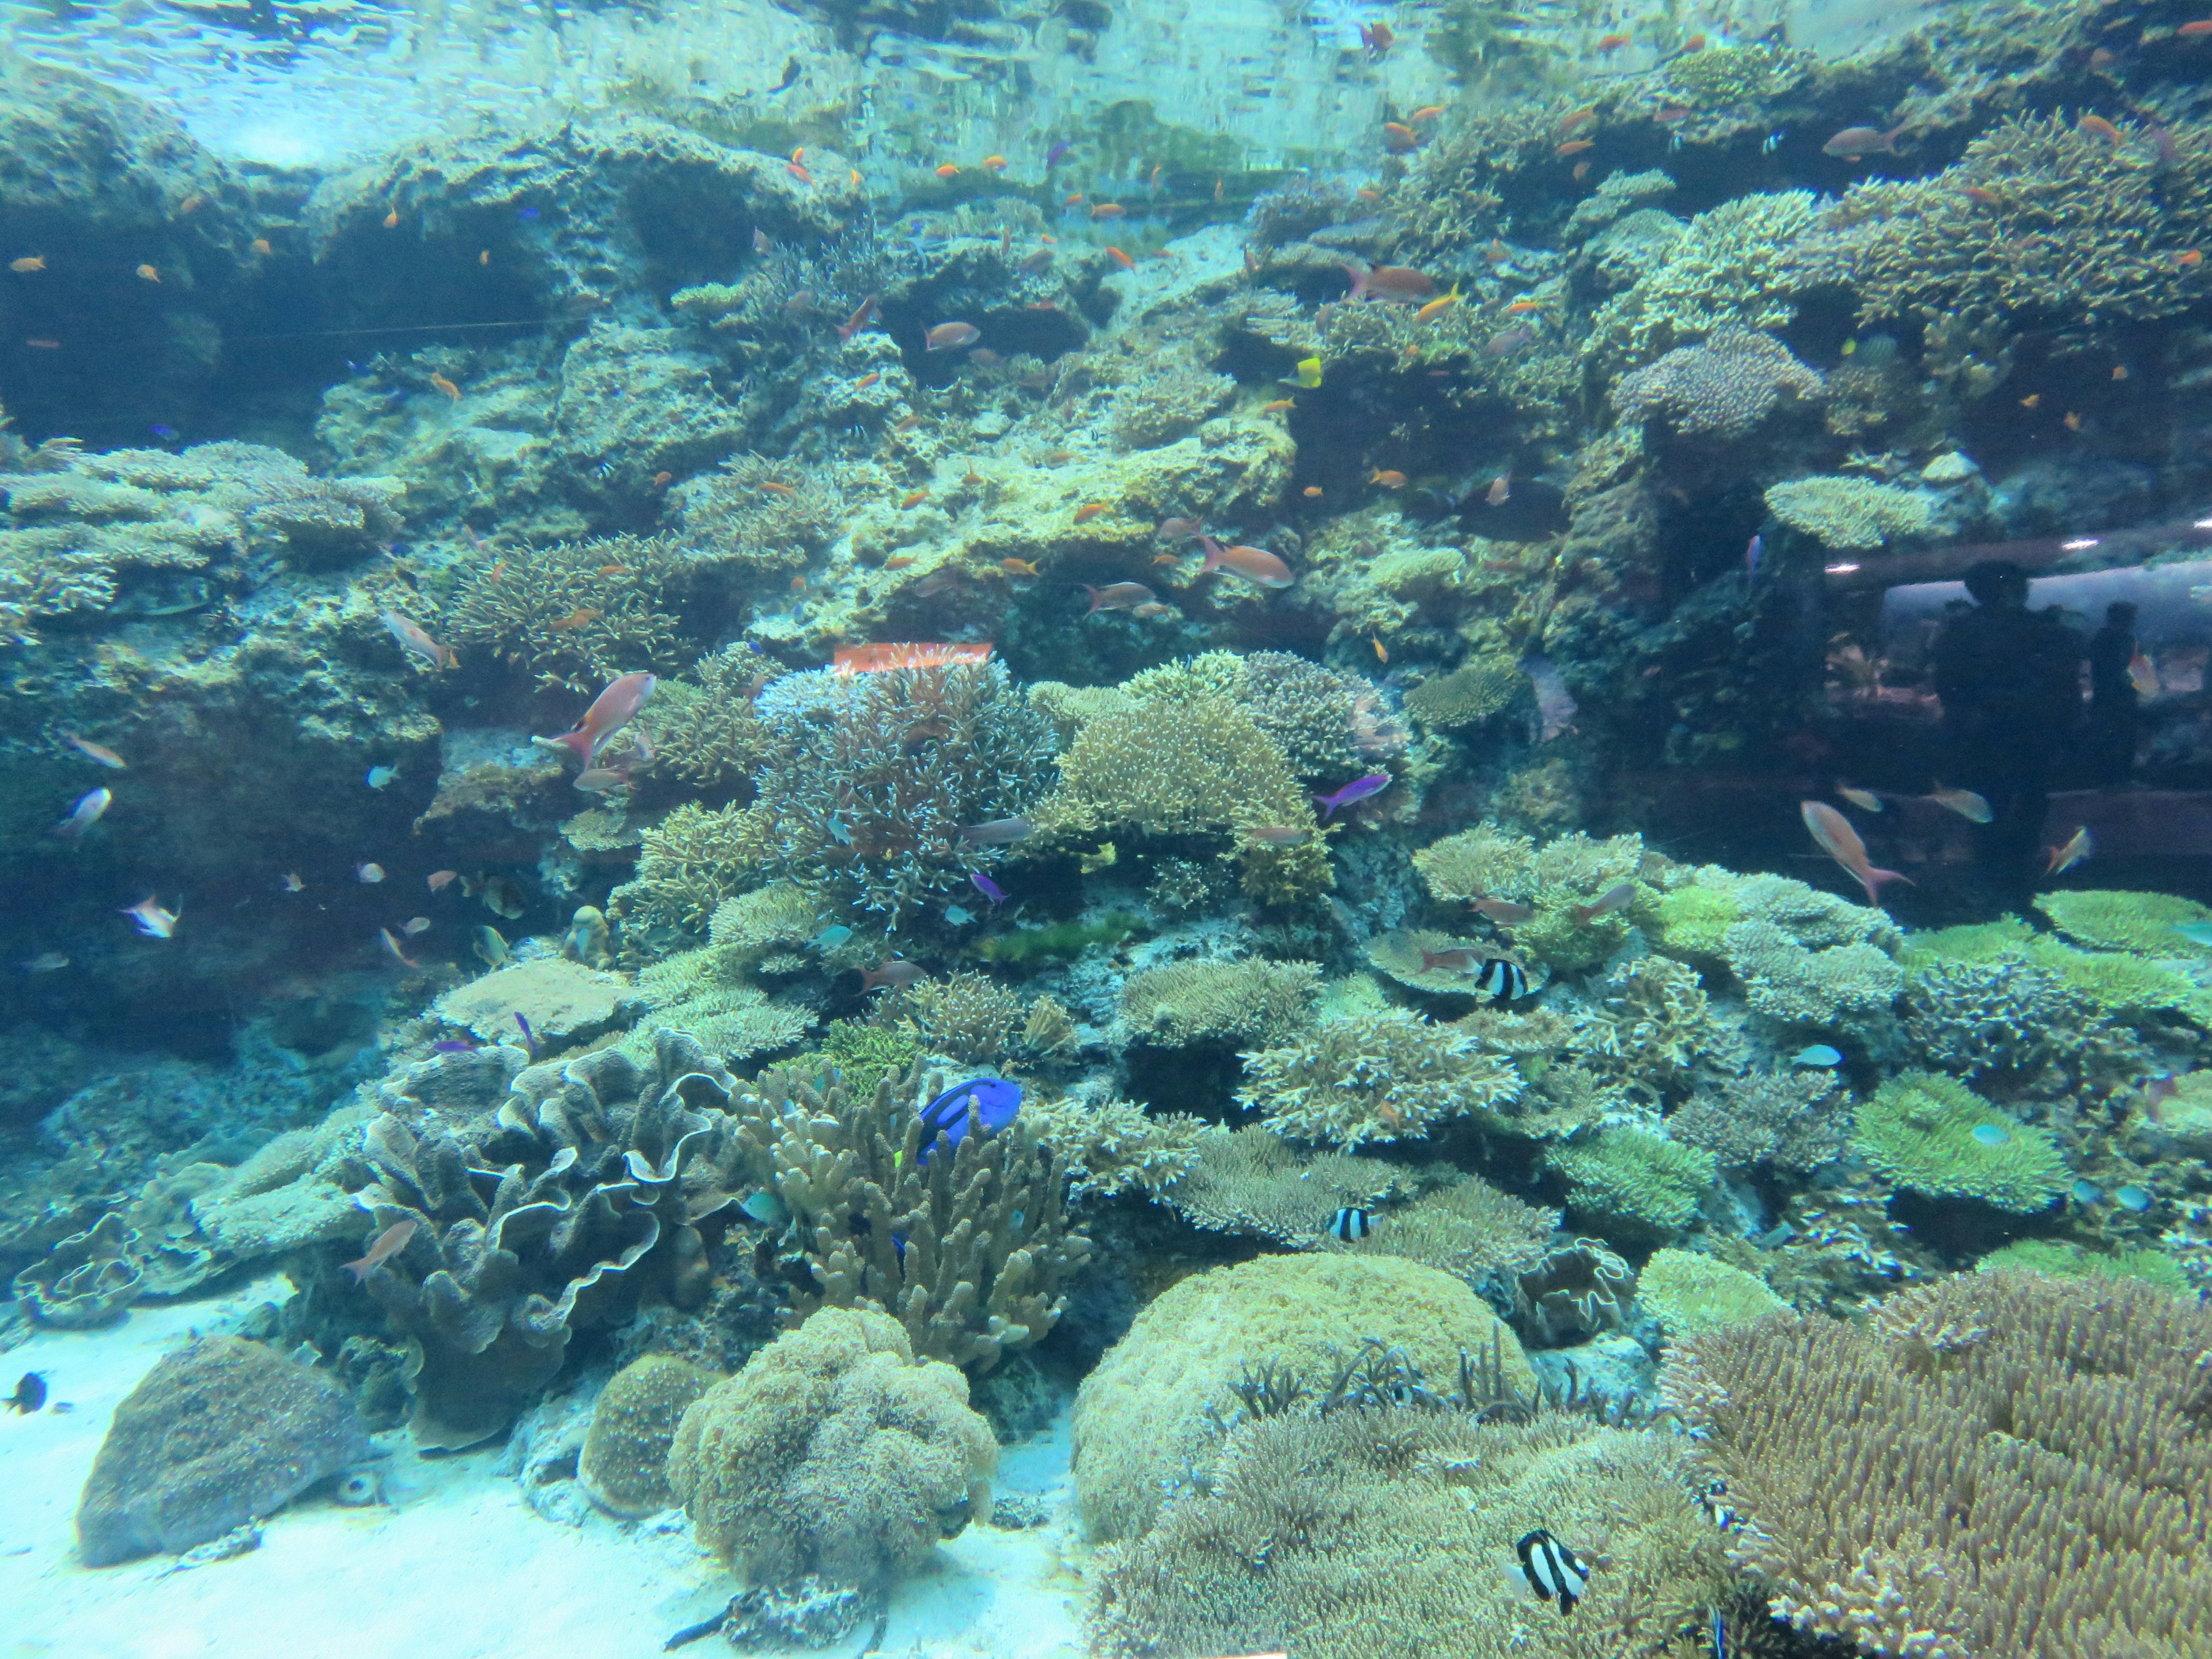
(1438, 307)
(1309, 372)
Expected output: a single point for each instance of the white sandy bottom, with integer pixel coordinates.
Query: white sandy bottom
(453, 1566)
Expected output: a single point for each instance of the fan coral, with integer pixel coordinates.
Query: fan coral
(76, 534)
(2109, 920)
(1387, 1075)
(1633, 1177)
(1934, 1136)
(968, 1017)
(1253, 1001)
(1252, 1181)
(1691, 1294)
(555, 613)
(1850, 512)
(835, 1451)
(1727, 385)
(1923, 1484)
(1790, 1119)
(1479, 688)
(1728, 267)
(771, 515)
(873, 776)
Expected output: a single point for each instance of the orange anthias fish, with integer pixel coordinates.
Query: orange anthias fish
(775, 489)
(1965, 802)
(2096, 126)
(1018, 567)
(1619, 897)
(948, 170)
(611, 710)
(1399, 138)
(850, 660)
(1121, 258)
(895, 974)
(1833, 831)
(149, 273)
(1573, 146)
(581, 617)
(412, 637)
(994, 164)
(859, 320)
(1089, 510)
(2059, 860)
(91, 751)
(444, 385)
(1436, 307)
(1426, 113)
(1400, 283)
(1254, 564)
(387, 1244)
(1107, 210)
(915, 498)
(1388, 478)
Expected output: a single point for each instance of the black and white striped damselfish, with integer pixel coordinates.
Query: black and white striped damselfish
(1350, 1222)
(1494, 977)
(1550, 1570)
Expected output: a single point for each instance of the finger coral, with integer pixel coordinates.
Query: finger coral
(1934, 1136)
(556, 612)
(1923, 1484)
(1383, 1075)
(835, 1451)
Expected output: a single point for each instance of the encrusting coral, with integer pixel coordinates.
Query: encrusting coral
(834, 1451)
(1928, 1483)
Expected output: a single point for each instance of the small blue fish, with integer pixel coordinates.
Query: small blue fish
(2132, 1198)
(831, 937)
(166, 434)
(1719, 1630)
(1358, 789)
(995, 1101)
(2196, 933)
(957, 917)
(2086, 1192)
(990, 889)
(1990, 1135)
(526, 213)
(766, 1206)
(452, 1048)
(380, 775)
(840, 834)
(529, 1036)
(1818, 1054)
(1059, 153)
(1773, 140)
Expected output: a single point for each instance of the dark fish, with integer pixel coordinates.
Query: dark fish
(895, 974)
(995, 1102)
(1350, 1222)
(452, 1048)
(1552, 1570)
(30, 1392)
(529, 1036)
(791, 72)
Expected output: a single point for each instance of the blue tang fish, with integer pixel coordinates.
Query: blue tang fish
(996, 1102)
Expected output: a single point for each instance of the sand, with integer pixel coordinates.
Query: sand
(454, 1564)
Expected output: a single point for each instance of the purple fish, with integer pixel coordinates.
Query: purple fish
(529, 1036)
(452, 1048)
(1059, 153)
(1752, 554)
(1358, 789)
(990, 889)
(995, 1099)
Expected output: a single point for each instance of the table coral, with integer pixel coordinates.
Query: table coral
(1478, 689)
(1252, 1181)
(835, 1451)
(1848, 513)
(1251, 1001)
(1933, 1134)
(1388, 1075)
(1841, 985)
(1635, 1179)
(1725, 387)
(2144, 923)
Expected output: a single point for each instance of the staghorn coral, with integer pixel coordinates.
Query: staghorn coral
(2042, 223)
(1465, 1227)
(2108, 920)
(1728, 267)
(1690, 1294)
(1925, 1484)
(1146, 1417)
(1378, 1529)
(1850, 512)
(1118, 1147)
(760, 513)
(968, 1017)
(1252, 1181)
(703, 730)
(1841, 985)
(1251, 1001)
(2006, 1019)
(1385, 1075)
(1566, 872)
(1329, 725)
(1478, 689)
(835, 1451)
(1635, 1179)
(873, 777)
(555, 613)
(1934, 1136)
(127, 531)
(1726, 386)
(1653, 1026)
(764, 922)
(968, 1251)
(688, 864)
(1792, 1120)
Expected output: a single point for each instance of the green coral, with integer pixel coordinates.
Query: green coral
(2060, 1259)
(1475, 690)
(1972, 943)
(864, 1055)
(555, 613)
(2120, 983)
(1728, 267)
(696, 991)
(2105, 920)
(1566, 873)
(688, 864)
(1635, 1177)
(1848, 513)
(1251, 1001)
(1694, 921)
(967, 1016)
(1919, 1130)
(1388, 1075)
(703, 729)
(1690, 1294)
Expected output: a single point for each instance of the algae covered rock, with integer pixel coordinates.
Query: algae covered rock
(216, 1435)
(624, 1464)
(1141, 1418)
(833, 1452)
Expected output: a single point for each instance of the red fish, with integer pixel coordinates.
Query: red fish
(611, 710)
(1254, 564)
(412, 638)
(1854, 142)
(1841, 842)
(1619, 897)
(849, 659)
(1401, 283)
(387, 1244)
(951, 336)
(895, 974)
(859, 320)
(1117, 596)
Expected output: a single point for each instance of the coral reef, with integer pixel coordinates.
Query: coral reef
(1634, 1177)
(1386, 1075)
(216, 1435)
(834, 1452)
(1691, 1295)
(1919, 1483)
(88, 1280)
(1251, 1001)
(1724, 387)
(625, 1461)
(1730, 267)
(1252, 1181)
(1933, 1134)
(1116, 1147)
(1848, 513)
(575, 614)
(968, 1017)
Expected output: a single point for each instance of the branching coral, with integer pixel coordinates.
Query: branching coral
(703, 729)
(1465, 1227)
(1934, 1136)
(2004, 1019)
(1160, 408)
(1727, 385)
(698, 992)
(1635, 1178)
(1850, 512)
(1252, 1001)
(1388, 1075)
(1793, 1120)
(1566, 873)
(1784, 981)
(2000, 1463)
(2043, 222)
(688, 864)
(557, 614)
(771, 515)
(1728, 267)
(1252, 1181)
(969, 1017)
(873, 777)
(1118, 1147)
(1478, 689)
